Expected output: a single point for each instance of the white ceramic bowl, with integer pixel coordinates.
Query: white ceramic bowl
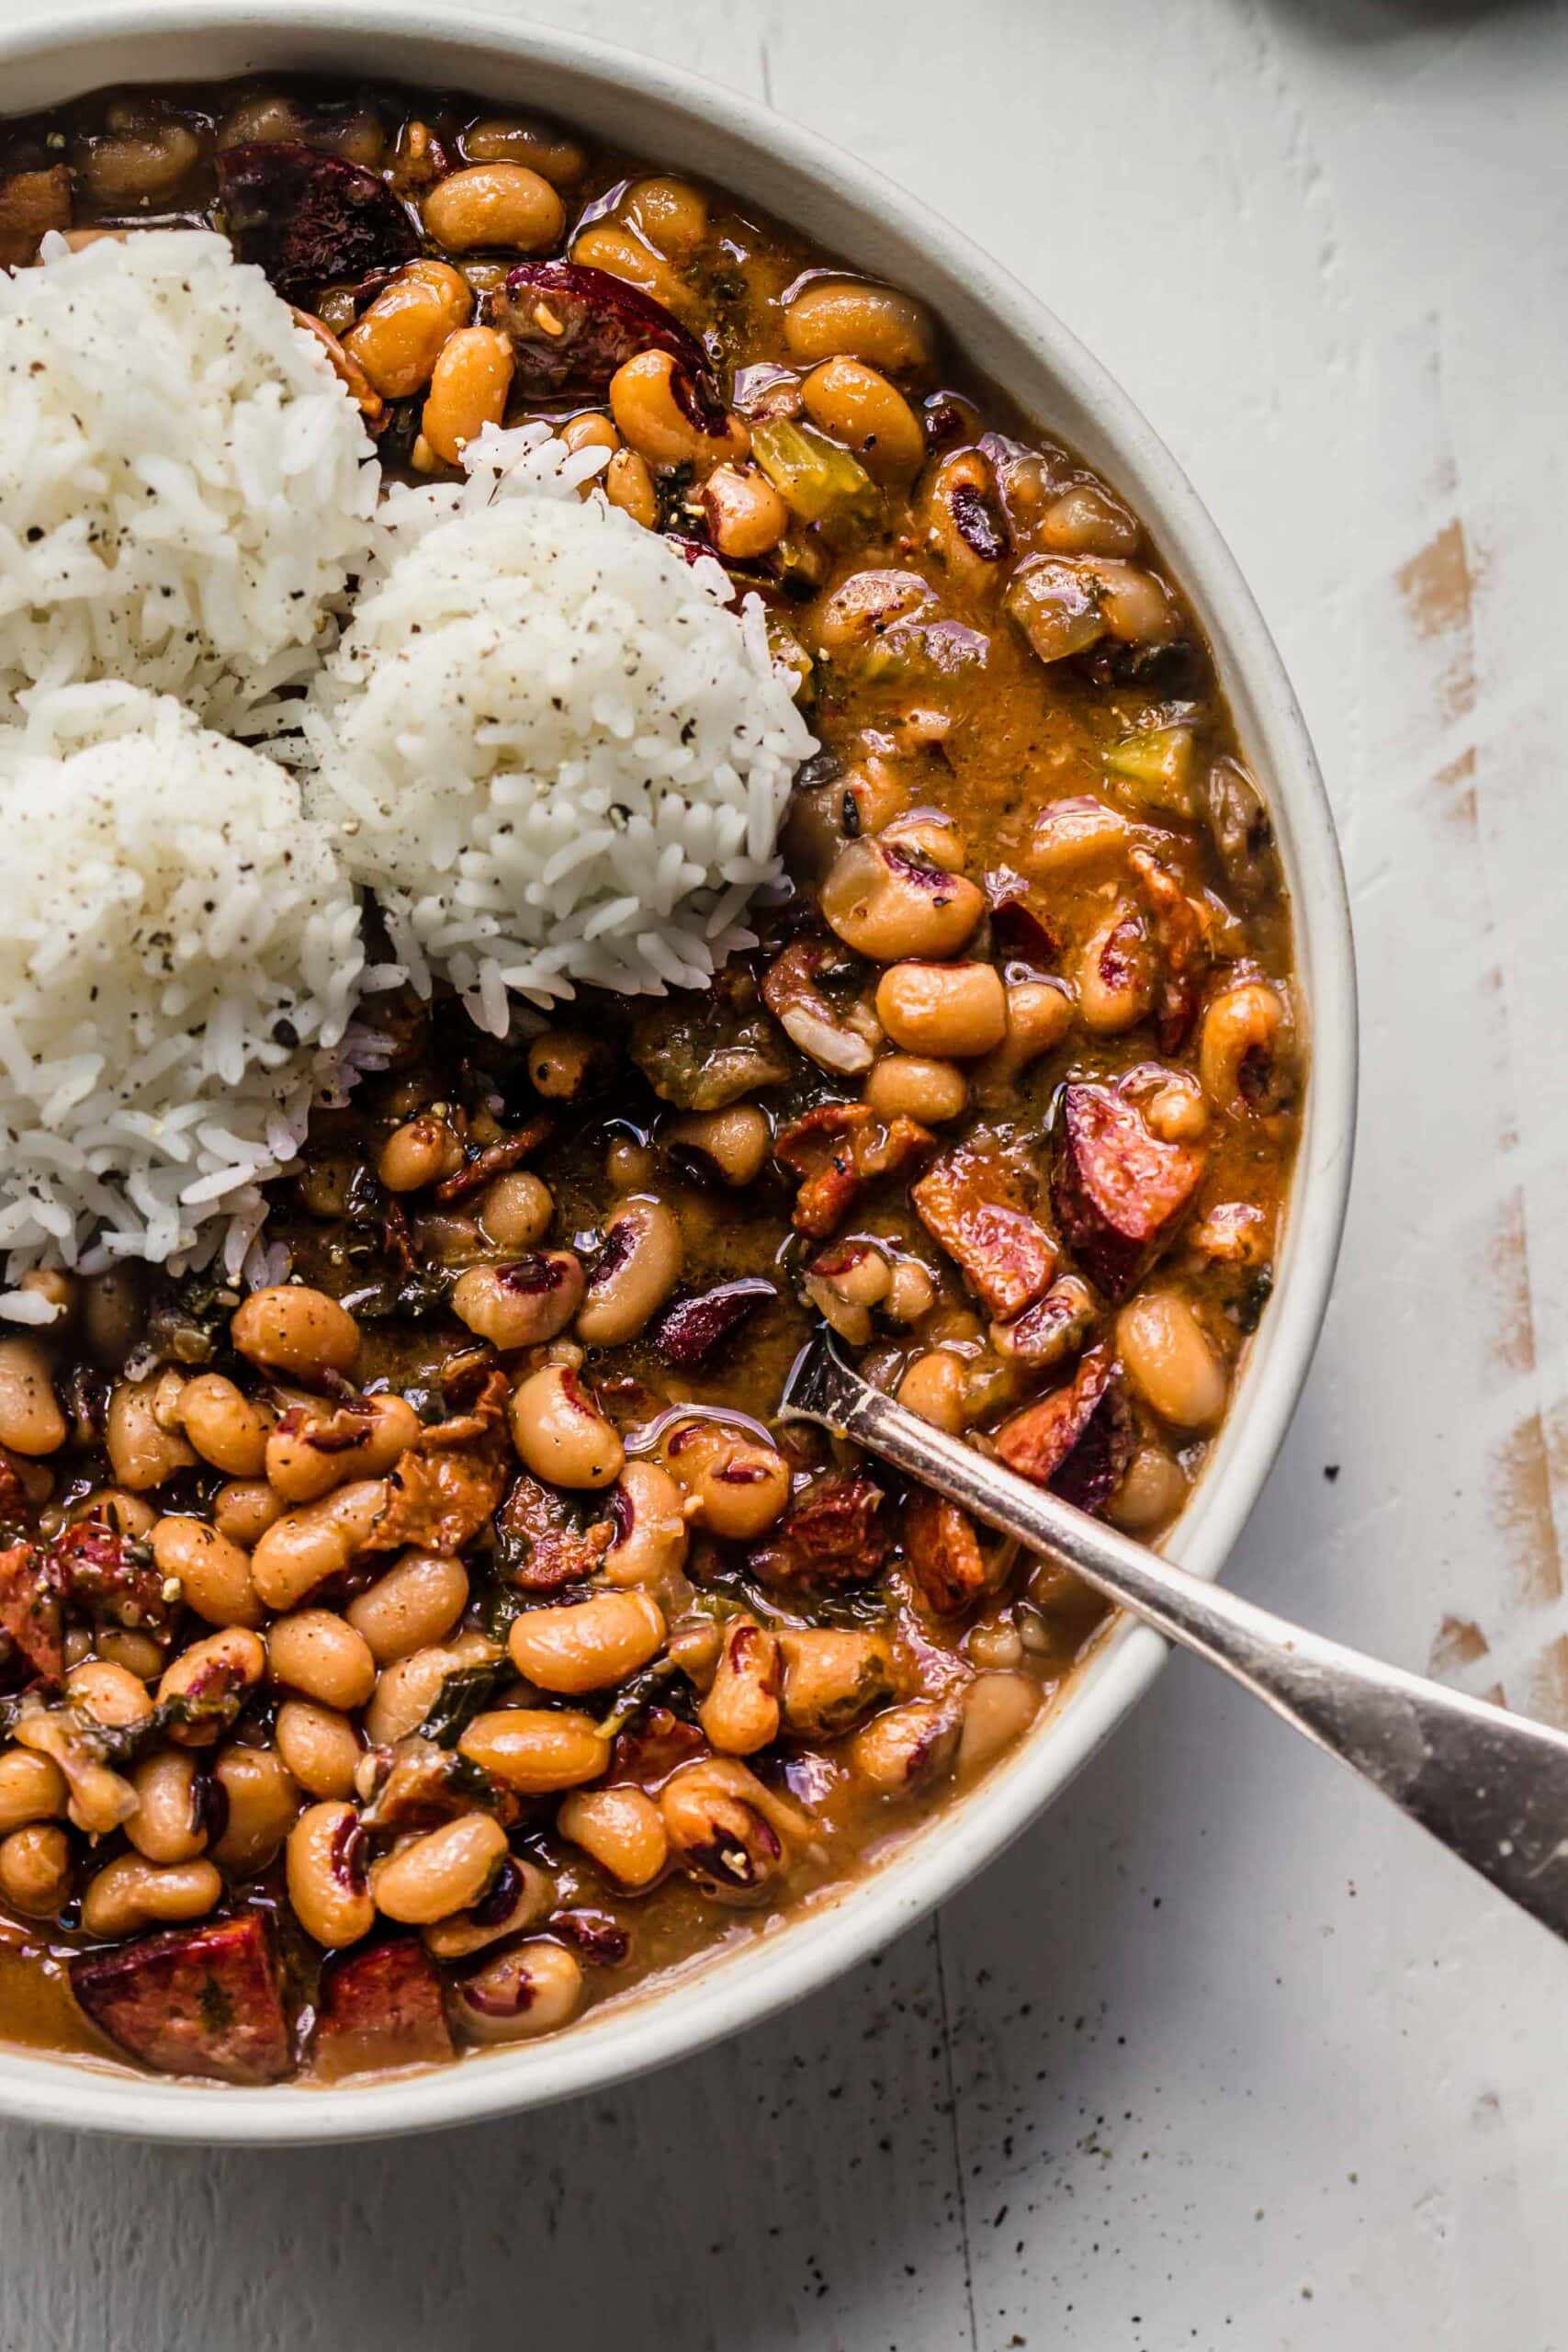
(691, 125)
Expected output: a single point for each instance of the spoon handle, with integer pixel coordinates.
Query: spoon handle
(1492, 1786)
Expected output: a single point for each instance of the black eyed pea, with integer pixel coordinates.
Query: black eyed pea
(671, 214)
(130, 1893)
(262, 1798)
(916, 1086)
(871, 416)
(611, 246)
(1086, 520)
(325, 1870)
(716, 1818)
(468, 389)
(908, 1748)
(1074, 837)
(125, 1513)
(730, 1145)
(1171, 1361)
(656, 414)
(887, 900)
(746, 516)
(34, 1869)
(589, 1644)
(1134, 605)
(32, 1788)
(213, 1573)
(844, 1281)
(629, 484)
(741, 1712)
(1238, 1047)
(138, 159)
(97, 1799)
(1152, 1490)
(628, 1164)
(414, 1606)
(933, 1386)
(108, 1693)
(445, 1870)
(532, 1988)
(494, 204)
(423, 1151)
(226, 1427)
(300, 1332)
(997, 1709)
(515, 1210)
(113, 1312)
(911, 1291)
(831, 1678)
(1116, 975)
(519, 1896)
(522, 1305)
(141, 1452)
(1039, 1015)
(398, 337)
(511, 139)
(406, 1689)
(735, 1485)
(212, 1677)
(945, 1010)
(243, 1509)
(621, 1830)
(31, 1422)
(536, 1750)
(1177, 1112)
(638, 1267)
(319, 1655)
(170, 1823)
(833, 318)
(304, 1547)
(592, 430)
(318, 1748)
(310, 1453)
(647, 1512)
(559, 1432)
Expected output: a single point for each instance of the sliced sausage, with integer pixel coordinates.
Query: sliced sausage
(965, 1202)
(377, 2008)
(1119, 1191)
(205, 2000)
(1080, 1439)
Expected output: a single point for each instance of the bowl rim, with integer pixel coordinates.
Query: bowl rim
(868, 217)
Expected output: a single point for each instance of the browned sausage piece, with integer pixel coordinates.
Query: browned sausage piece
(945, 1552)
(381, 2007)
(1119, 1192)
(965, 1203)
(1080, 1439)
(205, 2000)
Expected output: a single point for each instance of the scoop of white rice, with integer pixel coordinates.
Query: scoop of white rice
(547, 742)
(185, 484)
(179, 957)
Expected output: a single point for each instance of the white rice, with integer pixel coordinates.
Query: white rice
(179, 958)
(546, 741)
(185, 484)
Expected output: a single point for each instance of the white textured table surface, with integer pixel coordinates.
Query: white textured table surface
(1222, 2052)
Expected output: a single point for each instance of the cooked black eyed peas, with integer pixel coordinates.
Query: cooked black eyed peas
(317, 1747)
(213, 1571)
(34, 1869)
(524, 1303)
(414, 1605)
(298, 1332)
(559, 1431)
(637, 1268)
(443, 1871)
(620, 1829)
(130, 1893)
(735, 1486)
(326, 1866)
(588, 1645)
(170, 1823)
(531, 1988)
(459, 1599)
(30, 1419)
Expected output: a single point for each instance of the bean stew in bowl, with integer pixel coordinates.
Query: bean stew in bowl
(418, 1629)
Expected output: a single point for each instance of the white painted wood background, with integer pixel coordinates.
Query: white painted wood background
(1222, 2054)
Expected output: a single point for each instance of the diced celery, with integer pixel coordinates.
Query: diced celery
(817, 479)
(1157, 765)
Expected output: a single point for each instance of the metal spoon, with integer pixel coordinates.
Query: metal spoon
(1492, 1786)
